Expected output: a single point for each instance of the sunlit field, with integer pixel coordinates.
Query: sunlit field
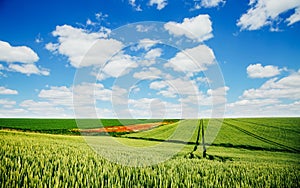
(246, 153)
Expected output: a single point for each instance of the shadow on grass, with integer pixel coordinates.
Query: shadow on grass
(48, 131)
(219, 158)
(192, 155)
(263, 139)
(252, 148)
(160, 140)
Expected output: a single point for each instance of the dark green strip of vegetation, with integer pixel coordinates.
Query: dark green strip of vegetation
(65, 126)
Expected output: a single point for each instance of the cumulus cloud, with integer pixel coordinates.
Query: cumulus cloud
(160, 4)
(172, 88)
(87, 92)
(20, 59)
(57, 101)
(262, 108)
(259, 71)
(286, 88)
(57, 95)
(153, 53)
(157, 85)
(80, 98)
(100, 16)
(276, 97)
(189, 95)
(197, 28)
(134, 5)
(146, 44)
(12, 112)
(6, 91)
(155, 108)
(84, 48)
(148, 73)
(119, 65)
(214, 97)
(7, 103)
(192, 60)
(211, 3)
(263, 13)
(20, 54)
(43, 109)
(250, 107)
(52, 47)
(217, 96)
(28, 69)
(295, 17)
(84, 94)
(143, 28)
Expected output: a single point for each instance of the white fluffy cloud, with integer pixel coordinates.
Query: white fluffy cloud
(143, 28)
(153, 53)
(215, 97)
(13, 112)
(286, 88)
(19, 54)
(81, 98)
(146, 44)
(259, 71)
(7, 103)
(197, 28)
(262, 108)
(43, 109)
(276, 97)
(119, 65)
(154, 108)
(160, 4)
(83, 94)
(211, 3)
(52, 47)
(157, 85)
(175, 87)
(192, 60)
(20, 59)
(189, 96)
(264, 13)
(134, 5)
(6, 91)
(84, 48)
(148, 73)
(86, 92)
(295, 17)
(61, 101)
(250, 107)
(57, 95)
(28, 69)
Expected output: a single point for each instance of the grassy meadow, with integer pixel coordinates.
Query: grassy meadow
(248, 152)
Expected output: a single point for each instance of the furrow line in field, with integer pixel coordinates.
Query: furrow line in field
(265, 125)
(263, 139)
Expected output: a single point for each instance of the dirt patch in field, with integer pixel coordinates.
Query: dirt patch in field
(123, 129)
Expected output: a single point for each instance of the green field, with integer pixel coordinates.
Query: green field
(248, 152)
(65, 126)
(245, 138)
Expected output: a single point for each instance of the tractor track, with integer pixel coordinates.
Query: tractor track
(291, 149)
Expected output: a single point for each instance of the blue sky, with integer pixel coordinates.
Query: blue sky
(105, 59)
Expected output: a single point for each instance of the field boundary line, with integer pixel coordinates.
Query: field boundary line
(263, 139)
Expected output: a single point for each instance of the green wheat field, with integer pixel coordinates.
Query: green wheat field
(248, 152)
